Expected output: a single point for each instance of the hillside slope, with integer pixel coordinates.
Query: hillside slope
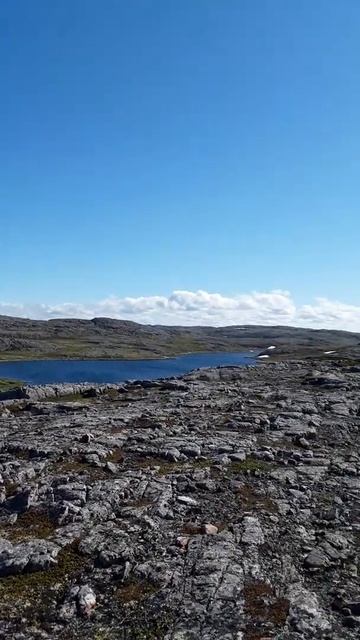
(107, 338)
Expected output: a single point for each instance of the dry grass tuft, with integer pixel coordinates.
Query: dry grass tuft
(135, 590)
(34, 523)
(264, 610)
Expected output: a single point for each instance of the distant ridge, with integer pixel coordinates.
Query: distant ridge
(22, 338)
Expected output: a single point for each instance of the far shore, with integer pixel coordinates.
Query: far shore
(123, 359)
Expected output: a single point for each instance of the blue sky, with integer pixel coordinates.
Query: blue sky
(162, 145)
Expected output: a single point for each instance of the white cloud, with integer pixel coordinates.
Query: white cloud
(330, 314)
(203, 308)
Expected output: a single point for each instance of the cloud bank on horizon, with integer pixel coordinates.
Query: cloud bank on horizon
(202, 308)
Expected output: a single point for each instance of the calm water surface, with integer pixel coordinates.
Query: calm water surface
(48, 371)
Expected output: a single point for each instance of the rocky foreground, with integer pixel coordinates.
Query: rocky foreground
(221, 506)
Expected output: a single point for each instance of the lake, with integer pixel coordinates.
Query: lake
(53, 371)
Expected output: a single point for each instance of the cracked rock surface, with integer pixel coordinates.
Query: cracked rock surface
(224, 505)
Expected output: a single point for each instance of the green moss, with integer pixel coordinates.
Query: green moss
(155, 627)
(156, 632)
(164, 468)
(200, 463)
(105, 634)
(249, 465)
(16, 355)
(6, 385)
(153, 624)
(111, 394)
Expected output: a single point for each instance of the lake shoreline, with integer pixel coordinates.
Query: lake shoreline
(110, 359)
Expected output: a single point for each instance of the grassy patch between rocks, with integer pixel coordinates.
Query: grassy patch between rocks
(34, 523)
(167, 466)
(250, 465)
(34, 593)
(200, 463)
(264, 610)
(251, 500)
(134, 590)
(146, 619)
(6, 384)
(17, 407)
(138, 504)
(116, 456)
(163, 467)
(10, 488)
(70, 397)
(111, 394)
(76, 466)
(157, 629)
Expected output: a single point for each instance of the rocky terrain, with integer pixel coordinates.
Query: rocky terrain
(106, 338)
(224, 505)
